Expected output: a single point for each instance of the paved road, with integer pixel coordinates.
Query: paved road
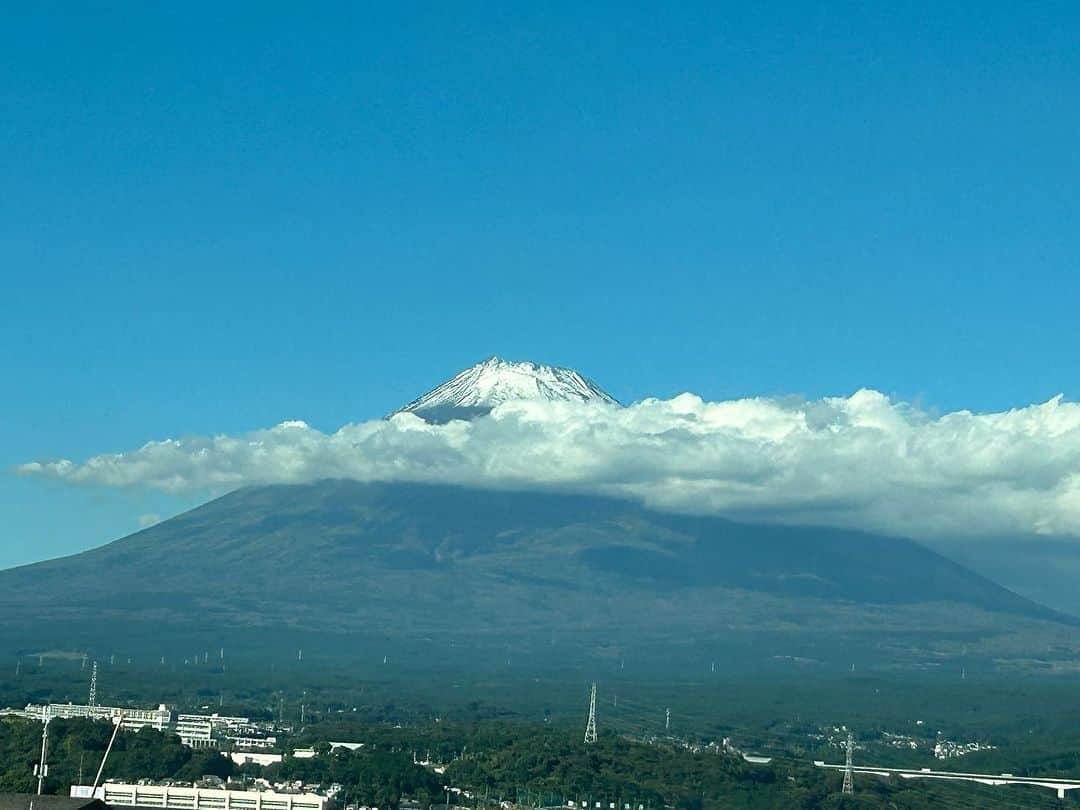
(1053, 783)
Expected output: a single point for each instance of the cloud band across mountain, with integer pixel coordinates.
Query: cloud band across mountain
(862, 461)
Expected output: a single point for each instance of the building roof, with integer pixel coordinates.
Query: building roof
(29, 801)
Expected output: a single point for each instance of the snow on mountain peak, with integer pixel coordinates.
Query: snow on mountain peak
(476, 390)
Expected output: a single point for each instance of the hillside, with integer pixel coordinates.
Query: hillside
(538, 575)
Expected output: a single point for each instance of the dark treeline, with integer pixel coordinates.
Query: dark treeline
(520, 739)
(491, 761)
(76, 748)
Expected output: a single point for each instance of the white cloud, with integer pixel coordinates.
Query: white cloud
(861, 461)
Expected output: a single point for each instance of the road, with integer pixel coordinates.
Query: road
(1053, 783)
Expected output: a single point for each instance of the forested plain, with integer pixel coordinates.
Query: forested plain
(520, 740)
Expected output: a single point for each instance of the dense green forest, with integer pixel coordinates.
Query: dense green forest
(520, 739)
(491, 761)
(76, 748)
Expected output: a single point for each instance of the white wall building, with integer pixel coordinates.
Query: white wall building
(252, 758)
(218, 719)
(206, 730)
(195, 733)
(252, 742)
(159, 718)
(186, 798)
(348, 746)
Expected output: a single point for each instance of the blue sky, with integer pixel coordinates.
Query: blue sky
(215, 220)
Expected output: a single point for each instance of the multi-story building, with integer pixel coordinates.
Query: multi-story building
(117, 794)
(194, 730)
(160, 718)
(210, 730)
(252, 742)
(195, 733)
(218, 720)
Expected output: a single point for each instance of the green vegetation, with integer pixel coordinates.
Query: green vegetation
(76, 748)
(379, 776)
(519, 740)
(490, 761)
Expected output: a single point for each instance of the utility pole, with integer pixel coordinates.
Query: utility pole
(590, 727)
(43, 766)
(849, 785)
(119, 721)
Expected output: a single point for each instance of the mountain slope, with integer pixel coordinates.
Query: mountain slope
(498, 570)
(478, 389)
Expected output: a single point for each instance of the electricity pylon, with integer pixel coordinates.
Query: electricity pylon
(93, 685)
(849, 785)
(590, 727)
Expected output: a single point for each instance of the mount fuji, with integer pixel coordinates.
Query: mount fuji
(453, 576)
(479, 389)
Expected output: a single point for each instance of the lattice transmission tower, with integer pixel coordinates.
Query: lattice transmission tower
(849, 784)
(93, 685)
(590, 727)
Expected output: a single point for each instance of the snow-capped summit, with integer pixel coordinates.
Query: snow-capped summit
(476, 390)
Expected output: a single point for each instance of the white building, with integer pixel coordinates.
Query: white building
(195, 733)
(252, 742)
(160, 718)
(348, 746)
(252, 758)
(218, 719)
(186, 798)
(207, 730)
